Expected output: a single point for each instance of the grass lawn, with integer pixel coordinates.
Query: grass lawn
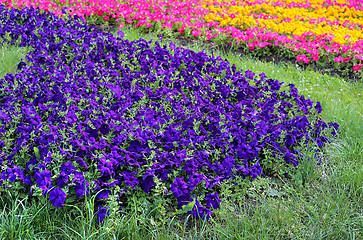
(320, 202)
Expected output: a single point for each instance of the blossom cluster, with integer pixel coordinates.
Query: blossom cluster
(341, 21)
(318, 31)
(313, 30)
(90, 113)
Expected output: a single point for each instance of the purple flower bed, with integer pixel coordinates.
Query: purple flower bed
(90, 113)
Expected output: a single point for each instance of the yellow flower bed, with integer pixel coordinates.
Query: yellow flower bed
(344, 24)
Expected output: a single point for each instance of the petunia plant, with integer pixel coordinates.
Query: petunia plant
(93, 114)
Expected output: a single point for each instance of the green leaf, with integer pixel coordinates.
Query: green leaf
(22, 195)
(36, 150)
(188, 207)
(70, 199)
(37, 191)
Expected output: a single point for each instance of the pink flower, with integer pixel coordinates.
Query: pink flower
(211, 36)
(121, 26)
(338, 59)
(303, 58)
(263, 44)
(357, 67)
(315, 57)
(106, 18)
(196, 33)
(251, 45)
(181, 30)
(300, 58)
(347, 59)
(168, 25)
(345, 48)
(100, 13)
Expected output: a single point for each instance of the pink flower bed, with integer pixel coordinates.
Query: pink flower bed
(186, 18)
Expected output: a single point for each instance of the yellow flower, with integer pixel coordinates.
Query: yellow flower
(278, 15)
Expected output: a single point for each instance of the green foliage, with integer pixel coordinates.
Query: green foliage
(317, 201)
(235, 190)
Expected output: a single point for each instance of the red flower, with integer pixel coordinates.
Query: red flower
(357, 67)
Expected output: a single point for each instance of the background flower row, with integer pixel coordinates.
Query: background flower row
(326, 33)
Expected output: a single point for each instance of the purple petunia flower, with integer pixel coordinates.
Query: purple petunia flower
(148, 181)
(256, 170)
(103, 194)
(57, 197)
(212, 200)
(179, 187)
(21, 65)
(105, 168)
(43, 178)
(12, 174)
(241, 169)
(184, 200)
(82, 189)
(102, 213)
(67, 168)
(129, 179)
(62, 179)
(200, 212)
(318, 107)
